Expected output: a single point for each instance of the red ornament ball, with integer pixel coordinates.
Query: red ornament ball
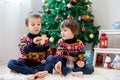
(92, 20)
(83, 29)
(83, 18)
(47, 11)
(74, 1)
(57, 18)
(69, 17)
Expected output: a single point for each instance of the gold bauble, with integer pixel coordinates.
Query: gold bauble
(51, 39)
(91, 36)
(87, 17)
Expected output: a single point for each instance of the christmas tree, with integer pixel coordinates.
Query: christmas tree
(55, 11)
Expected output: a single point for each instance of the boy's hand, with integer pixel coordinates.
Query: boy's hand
(40, 40)
(37, 40)
(80, 64)
(43, 61)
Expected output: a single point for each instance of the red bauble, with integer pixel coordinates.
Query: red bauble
(74, 1)
(83, 18)
(57, 18)
(69, 17)
(47, 11)
(92, 20)
(83, 29)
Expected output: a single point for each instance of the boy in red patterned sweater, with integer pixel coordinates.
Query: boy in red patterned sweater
(70, 56)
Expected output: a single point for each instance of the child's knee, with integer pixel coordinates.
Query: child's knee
(10, 63)
(49, 58)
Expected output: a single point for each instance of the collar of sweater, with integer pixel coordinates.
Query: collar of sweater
(30, 35)
(70, 41)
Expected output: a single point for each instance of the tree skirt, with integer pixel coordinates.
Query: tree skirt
(99, 74)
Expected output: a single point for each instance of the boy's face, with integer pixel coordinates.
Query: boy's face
(34, 25)
(66, 33)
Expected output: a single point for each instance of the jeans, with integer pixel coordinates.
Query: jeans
(87, 69)
(26, 67)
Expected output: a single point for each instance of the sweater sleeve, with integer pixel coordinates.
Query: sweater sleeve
(26, 45)
(81, 55)
(59, 52)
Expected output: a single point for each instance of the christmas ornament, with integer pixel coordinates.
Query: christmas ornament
(46, 4)
(51, 39)
(91, 36)
(83, 29)
(116, 62)
(69, 5)
(57, 18)
(59, 0)
(88, 6)
(107, 63)
(91, 20)
(83, 18)
(69, 17)
(79, 18)
(103, 41)
(74, 1)
(87, 17)
(47, 11)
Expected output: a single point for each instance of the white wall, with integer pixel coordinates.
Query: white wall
(106, 12)
(36, 5)
(11, 28)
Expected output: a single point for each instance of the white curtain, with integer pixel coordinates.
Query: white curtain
(12, 16)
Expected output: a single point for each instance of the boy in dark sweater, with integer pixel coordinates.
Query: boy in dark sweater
(34, 50)
(70, 56)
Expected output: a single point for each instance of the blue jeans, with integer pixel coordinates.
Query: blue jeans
(87, 69)
(27, 67)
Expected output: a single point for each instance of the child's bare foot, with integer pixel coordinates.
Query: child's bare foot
(58, 68)
(77, 74)
(32, 77)
(54, 72)
(41, 74)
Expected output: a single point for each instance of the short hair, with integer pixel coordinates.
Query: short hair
(32, 14)
(72, 24)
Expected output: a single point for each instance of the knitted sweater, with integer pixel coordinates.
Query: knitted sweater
(31, 51)
(71, 48)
